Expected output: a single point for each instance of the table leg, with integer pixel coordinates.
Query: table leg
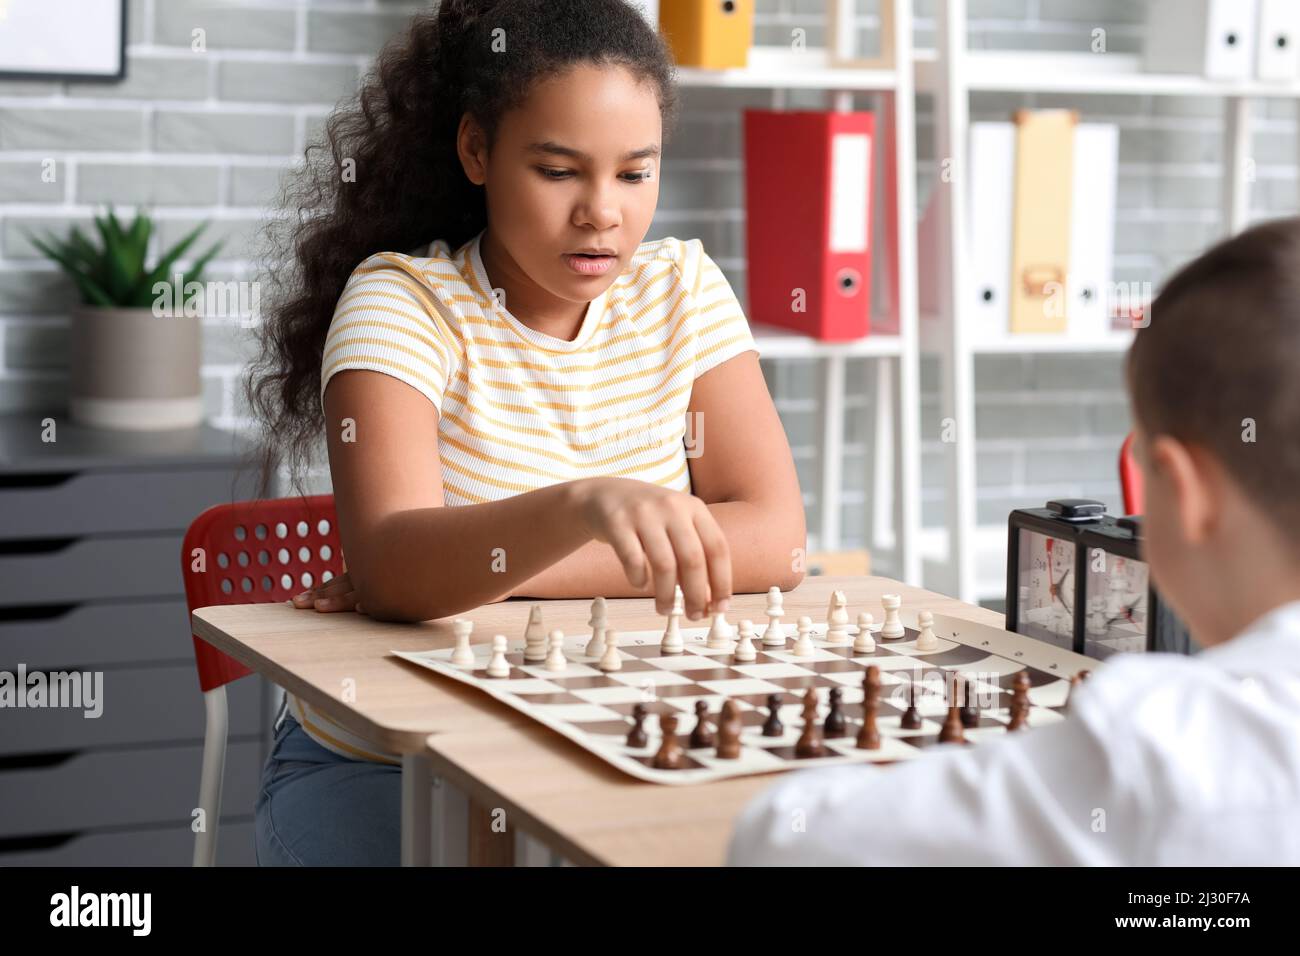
(417, 809)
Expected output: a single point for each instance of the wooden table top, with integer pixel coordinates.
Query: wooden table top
(592, 813)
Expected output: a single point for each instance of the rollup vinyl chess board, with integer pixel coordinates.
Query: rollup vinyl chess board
(594, 708)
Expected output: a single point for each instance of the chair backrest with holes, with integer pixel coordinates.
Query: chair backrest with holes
(255, 552)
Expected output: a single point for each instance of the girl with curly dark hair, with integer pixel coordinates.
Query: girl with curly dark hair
(519, 396)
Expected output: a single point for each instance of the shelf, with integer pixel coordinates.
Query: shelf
(772, 68)
(1027, 343)
(1100, 74)
(774, 343)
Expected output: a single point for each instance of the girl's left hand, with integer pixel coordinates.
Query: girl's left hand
(337, 594)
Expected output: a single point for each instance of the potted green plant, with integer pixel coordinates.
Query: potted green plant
(135, 347)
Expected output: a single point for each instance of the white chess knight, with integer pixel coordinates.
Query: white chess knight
(837, 619)
(596, 646)
(927, 640)
(534, 637)
(721, 634)
(745, 649)
(672, 642)
(864, 643)
(892, 629)
(555, 660)
(803, 645)
(462, 655)
(774, 636)
(498, 666)
(611, 660)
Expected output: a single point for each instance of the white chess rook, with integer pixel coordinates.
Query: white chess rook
(892, 629)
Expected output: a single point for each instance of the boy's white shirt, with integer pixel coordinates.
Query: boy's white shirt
(1163, 760)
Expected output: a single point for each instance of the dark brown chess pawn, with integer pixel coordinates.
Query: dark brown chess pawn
(636, 736)
(951, 732)
(911, 719)
(729, 727)
(701, 736)
(810, 741)
(835, 725)
(1019, 701)
(970, 711)
(772, 727)
(669, 756)
(869, 735)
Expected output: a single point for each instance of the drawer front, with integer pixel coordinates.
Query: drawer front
(76, 636)
(138, 705)
(104, 502)
(165, 846)
(91, 569)
(136, 787)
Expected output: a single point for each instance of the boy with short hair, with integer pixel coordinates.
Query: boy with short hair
(1163, 759)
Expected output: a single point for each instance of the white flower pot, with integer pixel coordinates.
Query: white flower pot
(134, 370)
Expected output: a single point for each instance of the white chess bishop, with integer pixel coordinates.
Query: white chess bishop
(596, 646)
(774, 636)
(672, 642)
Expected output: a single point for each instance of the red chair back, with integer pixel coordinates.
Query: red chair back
(1130, 479)
(255, 552)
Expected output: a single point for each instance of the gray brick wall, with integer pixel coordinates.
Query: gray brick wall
(207, 134)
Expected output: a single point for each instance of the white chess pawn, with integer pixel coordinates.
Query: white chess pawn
(927, 640)
(596, 646)
(803, 645)
(892, 629)
(534, 637)
(837, 619)
(611, 660)
(745, 649)
(555, 660)
(462, 656)
(864, 643)
(499, 666)
(774, 636)
(720, 634)
(672, 642)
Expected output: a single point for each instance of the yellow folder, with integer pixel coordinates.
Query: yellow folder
(713, 34)
(1040, 245)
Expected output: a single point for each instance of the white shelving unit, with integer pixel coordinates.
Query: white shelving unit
(894, 515)
(955, 559)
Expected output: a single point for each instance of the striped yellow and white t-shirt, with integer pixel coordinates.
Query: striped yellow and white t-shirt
(519, 409)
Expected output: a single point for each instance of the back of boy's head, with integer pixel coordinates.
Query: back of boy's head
(1218, 365)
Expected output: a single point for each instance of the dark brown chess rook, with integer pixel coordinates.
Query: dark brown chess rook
(970, 711)
(636, 736)
(911, 719)
(1019, 701)
(810, 741)
(869, 735)
(772, 727)
(835, 725)
(669, 756)
(701, 736)
(729, 727)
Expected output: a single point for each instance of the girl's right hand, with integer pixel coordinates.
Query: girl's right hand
(670, 533)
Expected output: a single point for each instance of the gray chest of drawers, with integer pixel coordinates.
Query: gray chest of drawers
(90, 538)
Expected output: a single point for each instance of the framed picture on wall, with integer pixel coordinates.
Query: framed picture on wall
(62, 40)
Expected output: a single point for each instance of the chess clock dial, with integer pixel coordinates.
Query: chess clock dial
(1045, 583)
(1117, 596)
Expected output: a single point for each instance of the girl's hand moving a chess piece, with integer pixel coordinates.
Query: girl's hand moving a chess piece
(662, 537)
(336, 594)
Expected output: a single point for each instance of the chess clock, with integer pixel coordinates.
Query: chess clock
(1076, 579)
